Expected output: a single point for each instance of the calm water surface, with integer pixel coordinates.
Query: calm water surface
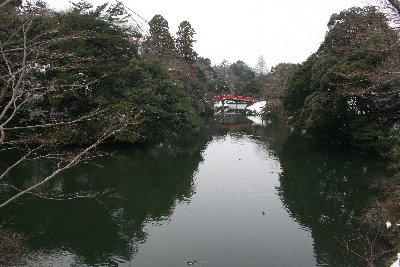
(243, 194)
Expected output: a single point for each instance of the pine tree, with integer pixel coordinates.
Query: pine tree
(160, 41)
(185, 41)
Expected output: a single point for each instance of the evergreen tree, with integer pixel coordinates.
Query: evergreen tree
(347, 90)
(164, 106)
(276, 81)
(185, 41)
(160, 42)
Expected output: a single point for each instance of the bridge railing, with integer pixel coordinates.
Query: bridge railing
(233, 97)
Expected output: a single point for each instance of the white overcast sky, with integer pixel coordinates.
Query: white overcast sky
(281, 31)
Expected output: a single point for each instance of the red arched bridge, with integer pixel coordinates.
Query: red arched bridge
(234, 103)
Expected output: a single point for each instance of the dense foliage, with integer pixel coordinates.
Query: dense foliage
(92, 62)
(275, 83)
(165, 108)
(238, 78)
(346, 91)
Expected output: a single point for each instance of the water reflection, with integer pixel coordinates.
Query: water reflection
(241, 194)
(272, 136)
(149, 184)
(232, 121)
(326, 190)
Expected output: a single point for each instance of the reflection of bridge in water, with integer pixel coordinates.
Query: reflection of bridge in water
(238, 121)
(232, 121)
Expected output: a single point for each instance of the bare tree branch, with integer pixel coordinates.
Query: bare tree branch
(47, 125)
(59, 170)
(20, 79)
(361, 245)
(392, 10)
(4, 83)
(396, 5)
(27, 55)
(7, 62)
(18, 162)
(81, 195)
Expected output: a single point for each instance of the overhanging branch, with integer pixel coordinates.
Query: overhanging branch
(396, 5)
(59, 170)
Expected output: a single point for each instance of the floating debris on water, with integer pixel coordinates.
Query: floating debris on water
(196, 262)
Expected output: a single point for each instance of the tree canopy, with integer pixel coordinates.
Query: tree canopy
(340, 90)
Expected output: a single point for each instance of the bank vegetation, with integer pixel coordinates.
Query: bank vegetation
(347, 93)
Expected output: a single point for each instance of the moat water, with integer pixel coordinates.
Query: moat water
(244, 193)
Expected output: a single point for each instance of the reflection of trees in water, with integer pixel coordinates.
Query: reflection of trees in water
(149, 183)
(325, 190)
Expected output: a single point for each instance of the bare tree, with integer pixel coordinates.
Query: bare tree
(23, 54)
(261, 66)
(365, 247)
